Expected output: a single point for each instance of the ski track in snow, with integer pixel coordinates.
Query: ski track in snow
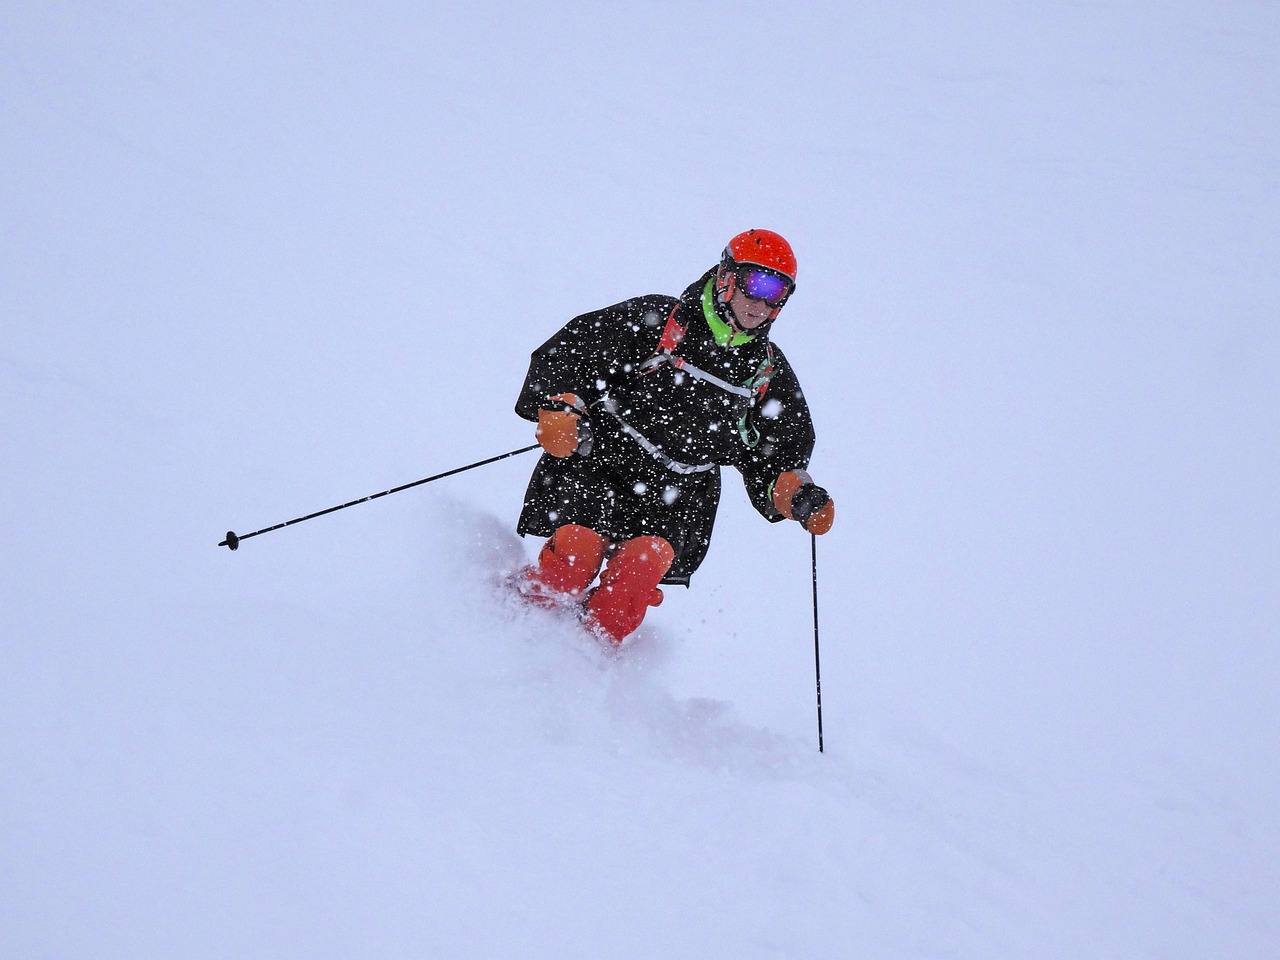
(624, 686)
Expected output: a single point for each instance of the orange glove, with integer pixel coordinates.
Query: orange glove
(561, 431)
(797, 497)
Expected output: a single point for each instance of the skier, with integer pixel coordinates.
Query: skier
(638, 405)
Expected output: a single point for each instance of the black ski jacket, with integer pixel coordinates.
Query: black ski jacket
(661, 431)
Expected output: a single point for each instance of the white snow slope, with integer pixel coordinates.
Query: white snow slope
(260, 259)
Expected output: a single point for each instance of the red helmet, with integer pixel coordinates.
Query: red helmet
(761, 262)
(763, 248)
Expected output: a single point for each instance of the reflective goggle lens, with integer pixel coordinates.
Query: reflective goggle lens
(768, 287)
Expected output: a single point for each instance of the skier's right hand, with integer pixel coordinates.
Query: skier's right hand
(561, 428)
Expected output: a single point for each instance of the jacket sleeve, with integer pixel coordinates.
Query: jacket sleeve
(590, 352)
(786, 438)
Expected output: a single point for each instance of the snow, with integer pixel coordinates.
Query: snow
(257, 261)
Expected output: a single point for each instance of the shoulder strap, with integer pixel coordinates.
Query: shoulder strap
(754, 389)
(672, 334)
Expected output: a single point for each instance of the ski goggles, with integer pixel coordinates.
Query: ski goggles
(761, 284)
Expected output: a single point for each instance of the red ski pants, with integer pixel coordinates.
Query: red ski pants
(571, 558)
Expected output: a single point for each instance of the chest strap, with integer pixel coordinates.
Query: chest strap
(753, 390)
(672, 334)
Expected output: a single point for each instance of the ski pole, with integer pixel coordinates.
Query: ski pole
(233, 540)
(817, 666)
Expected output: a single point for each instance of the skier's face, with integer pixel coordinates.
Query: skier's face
(749, 312)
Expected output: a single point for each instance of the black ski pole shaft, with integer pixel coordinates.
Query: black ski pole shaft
(817, 665)
(233, 540)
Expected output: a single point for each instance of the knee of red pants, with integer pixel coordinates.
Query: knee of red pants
(629, 586)
(570, 559)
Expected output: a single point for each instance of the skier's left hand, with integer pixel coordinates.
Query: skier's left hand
(798, 498)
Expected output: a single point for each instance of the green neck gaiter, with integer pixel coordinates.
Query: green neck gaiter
(724, 334)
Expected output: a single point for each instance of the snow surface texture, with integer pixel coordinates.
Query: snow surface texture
(261, 259)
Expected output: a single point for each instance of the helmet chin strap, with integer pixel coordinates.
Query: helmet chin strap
(726, 284)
